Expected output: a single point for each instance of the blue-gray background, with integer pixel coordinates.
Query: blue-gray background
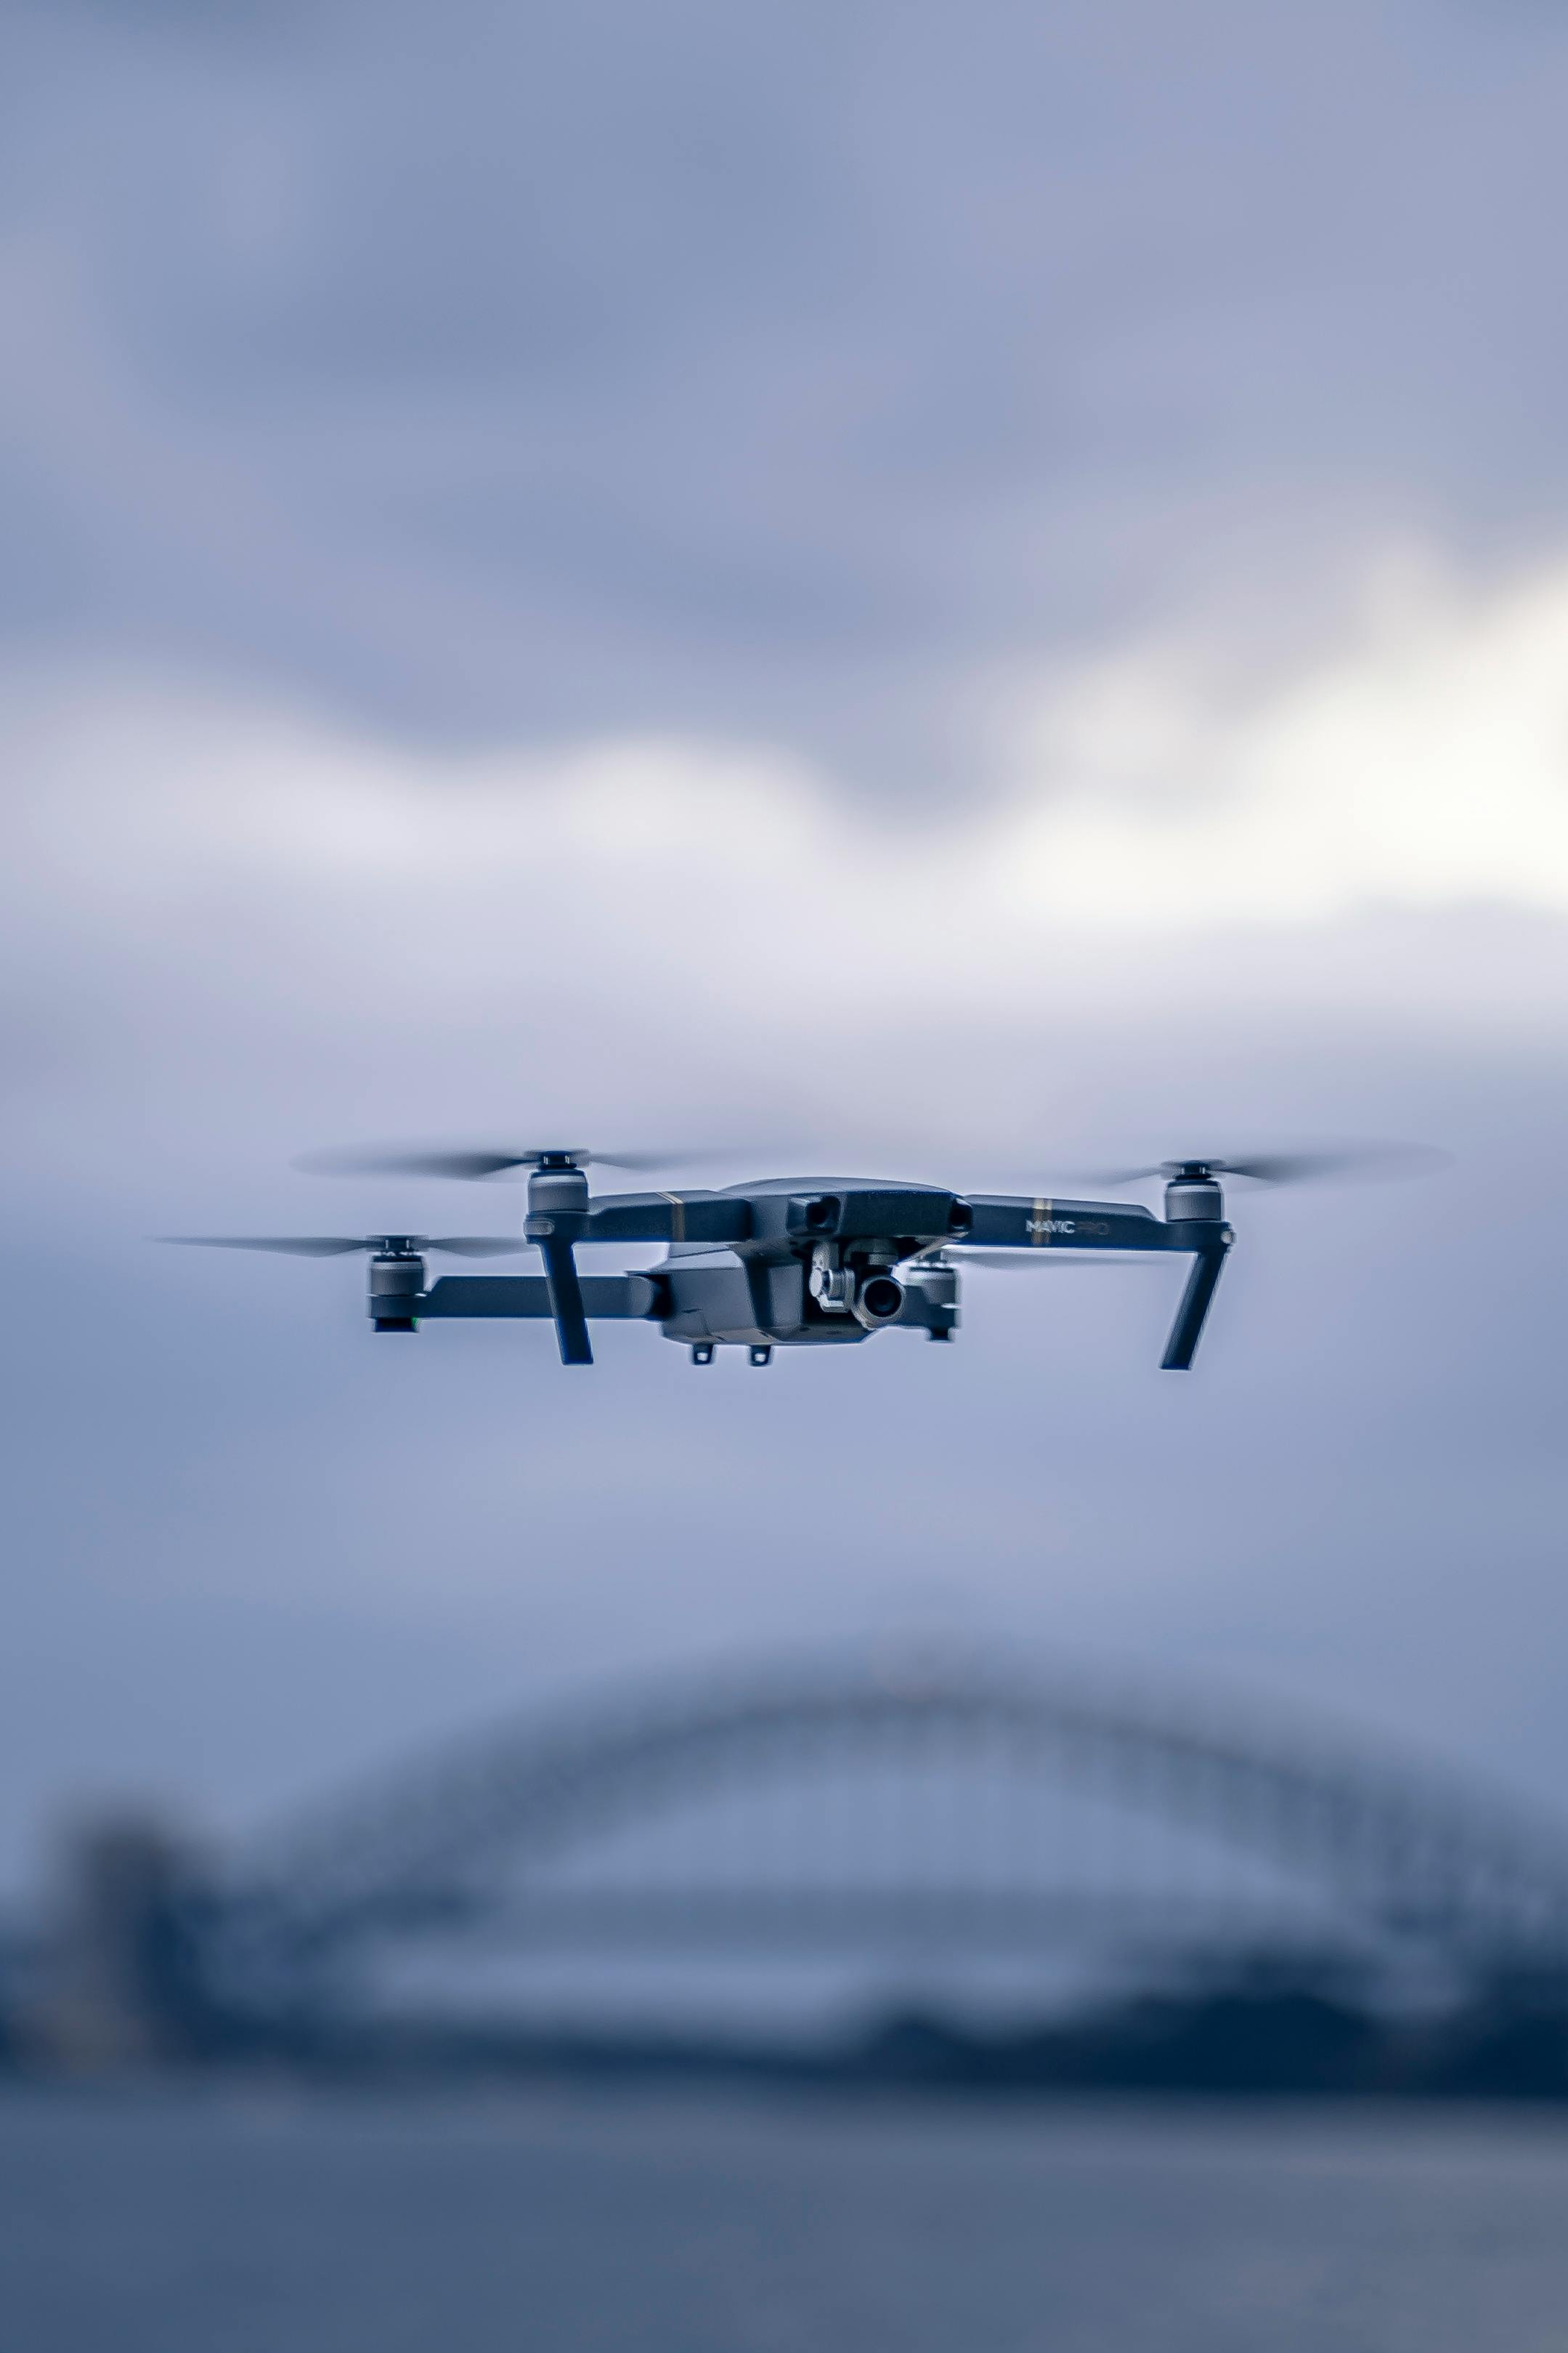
(929, 591)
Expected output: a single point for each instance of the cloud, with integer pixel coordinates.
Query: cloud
(1152, 799)
(1423, 763)
(574, 371)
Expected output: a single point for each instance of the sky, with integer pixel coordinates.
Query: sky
(958, 596)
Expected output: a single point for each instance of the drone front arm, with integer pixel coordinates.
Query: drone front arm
(1046, 1224)
(623, 1296)
(1038, 1222)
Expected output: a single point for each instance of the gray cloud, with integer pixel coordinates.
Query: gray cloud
(602, 366)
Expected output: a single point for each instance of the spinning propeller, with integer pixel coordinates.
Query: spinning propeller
(496, 1162)
(339, 1245)
(1366, 1161)
(850, 1232)
(1194, 1206)
(557, 1204)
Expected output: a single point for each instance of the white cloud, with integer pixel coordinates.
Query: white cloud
(1421, 765)
(1424, 765)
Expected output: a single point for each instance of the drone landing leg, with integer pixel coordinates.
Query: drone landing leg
(1182, 1345)
(566, 1301)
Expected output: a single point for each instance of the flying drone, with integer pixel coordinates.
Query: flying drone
(791, 1261)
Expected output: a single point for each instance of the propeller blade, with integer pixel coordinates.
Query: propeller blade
(420, 1162)
(683, 1157)
(340, 1245)
(293, 1245)
(1366, 1163)
(1119, 1175)
(476, 1245)
(416, 1163)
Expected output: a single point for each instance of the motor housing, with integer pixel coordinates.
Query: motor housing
(1194, 1196)
(396, 1286)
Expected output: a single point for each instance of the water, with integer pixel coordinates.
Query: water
(664, 2224)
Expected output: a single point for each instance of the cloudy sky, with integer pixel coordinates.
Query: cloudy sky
(919, 591)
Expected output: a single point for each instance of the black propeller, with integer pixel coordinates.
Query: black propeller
(340, 1245)
(420, 1161)
(1364, 1161)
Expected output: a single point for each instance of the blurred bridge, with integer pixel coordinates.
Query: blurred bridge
(885, 1807)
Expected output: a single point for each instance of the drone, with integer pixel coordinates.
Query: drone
(788, 1262)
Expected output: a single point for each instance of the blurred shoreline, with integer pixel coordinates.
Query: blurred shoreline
(1256, 2038)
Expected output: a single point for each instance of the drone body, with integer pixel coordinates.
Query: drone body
(791, 1262)
(787, 1262)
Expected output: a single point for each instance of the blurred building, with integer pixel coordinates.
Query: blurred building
(117, 1981)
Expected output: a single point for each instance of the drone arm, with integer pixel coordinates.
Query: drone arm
(624, 1297)
(1187, 1329)
(1025, 1222)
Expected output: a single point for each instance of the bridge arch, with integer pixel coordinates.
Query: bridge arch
(1404, 1852)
